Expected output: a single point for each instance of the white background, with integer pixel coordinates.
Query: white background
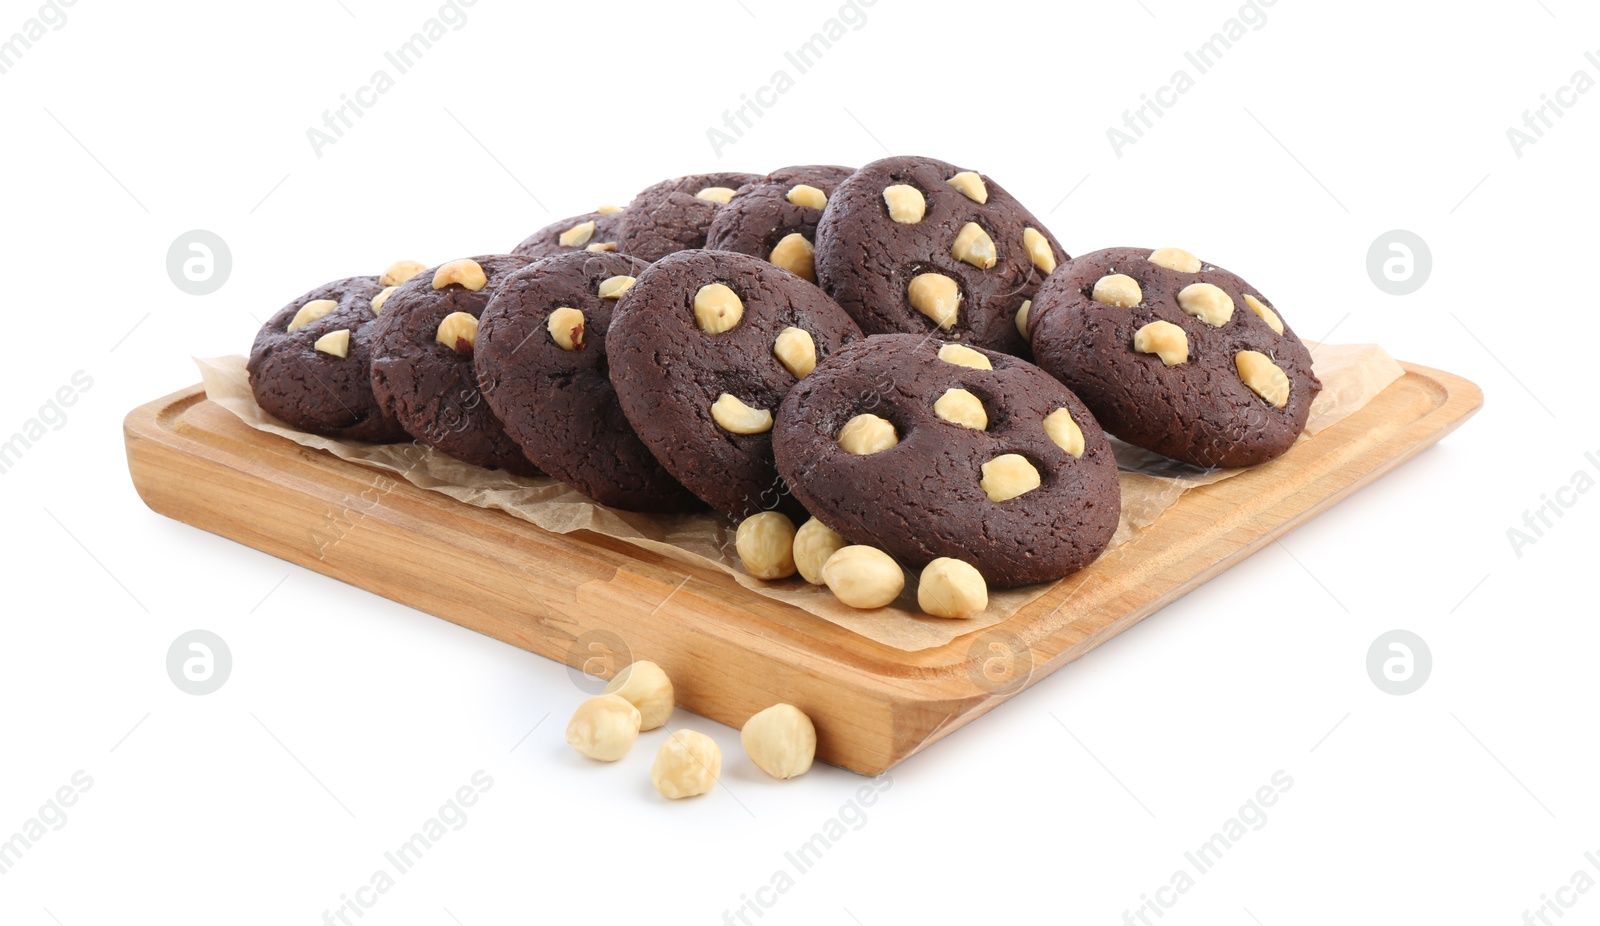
(348, 719)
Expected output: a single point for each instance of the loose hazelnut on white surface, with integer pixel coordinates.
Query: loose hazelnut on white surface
(780, 740)
(644, 685)
(687, 764)
(604, 727)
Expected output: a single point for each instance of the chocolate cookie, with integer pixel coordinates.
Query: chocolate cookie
(927, 449)
(703, 348)
(311, 364)
(775, 218)
(1175, 355)
(674, 215)
(541, 363)
(917, 245)
(592, 231)
(422, 370)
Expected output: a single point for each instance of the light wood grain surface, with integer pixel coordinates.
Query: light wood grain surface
(592, 602)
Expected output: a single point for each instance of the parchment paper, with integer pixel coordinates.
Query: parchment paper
(1351, 375)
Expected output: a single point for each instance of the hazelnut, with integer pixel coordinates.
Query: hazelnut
(1207, 303)
(1008, 476)
(715, 194)
(951, 588)
(796, 255)
(717, 308)
(467, 272)
(608, 210)
(1175, 259)
(867, 434)
(936, 296)
(566, 328)
(614, 287)
(459, 332)
(780, 740)
(958, 406)
(974, 246)
(1064, 432)
(310, 312)
(971, 185)
(735, 417)
(577, 236)
(1265, 378)
(803, 194)
(336, 343)
(863, 577)
(1022, 318)
(814, 542)
(1165, 340)
(765, 542)
(1038, 248)
(1119, 290)
(647, 688)
(604, 727)
(687, 764)
(602, 246)
(381, 298)
(906, 203)
(1265, 311)
(796, 350)
(964, 356)
(400, 271)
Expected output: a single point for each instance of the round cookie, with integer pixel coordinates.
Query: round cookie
(541, 363)
(673, 215)
(989, 461)
(311, 362)
(703, 402)
(592, 231)
(917, 245)
(775, 218)
(429, 387)
(1161, 352)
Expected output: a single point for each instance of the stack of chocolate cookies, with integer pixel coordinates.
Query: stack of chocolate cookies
(902, 360)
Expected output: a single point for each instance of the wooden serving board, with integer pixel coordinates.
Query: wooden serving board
(593, 602)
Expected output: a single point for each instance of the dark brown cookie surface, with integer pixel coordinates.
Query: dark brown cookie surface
(917, 245)
(702, 400)
(541, 363)
(592, 231)
(429, 387)
(675, 214)
(764, 216)
(1194, 404)
(316, 378)
(964, 438)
